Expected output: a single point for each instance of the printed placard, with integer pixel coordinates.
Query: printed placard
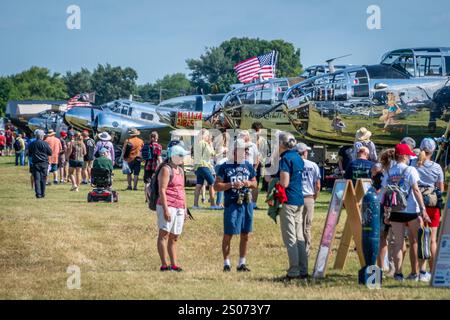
(334, 212)
(441, 269)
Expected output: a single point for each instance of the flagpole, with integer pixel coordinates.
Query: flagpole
(276, 61)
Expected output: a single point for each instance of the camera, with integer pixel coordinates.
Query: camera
(244, 197)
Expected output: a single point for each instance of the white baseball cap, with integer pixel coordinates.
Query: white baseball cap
(301, 147)
(177, 150)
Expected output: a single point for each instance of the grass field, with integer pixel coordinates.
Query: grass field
(115, 247)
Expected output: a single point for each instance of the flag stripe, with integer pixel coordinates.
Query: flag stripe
(256, 67)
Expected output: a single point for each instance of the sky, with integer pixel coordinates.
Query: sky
(156, 37)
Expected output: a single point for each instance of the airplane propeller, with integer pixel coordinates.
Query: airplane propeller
(330, 64)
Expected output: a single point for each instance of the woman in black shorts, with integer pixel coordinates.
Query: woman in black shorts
(407, 178)
(76, 150)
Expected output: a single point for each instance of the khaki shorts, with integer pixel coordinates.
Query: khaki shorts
(175, 226)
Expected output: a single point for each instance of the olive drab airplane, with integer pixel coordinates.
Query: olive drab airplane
(407, 94)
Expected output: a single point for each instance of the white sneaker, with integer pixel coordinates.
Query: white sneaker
(215, 208)
(425, 277)
(195, 207)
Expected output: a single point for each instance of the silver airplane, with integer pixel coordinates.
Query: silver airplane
(118, 116)
(47, 120)
(328, 109)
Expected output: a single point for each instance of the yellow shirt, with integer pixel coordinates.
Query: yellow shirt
(206, 155)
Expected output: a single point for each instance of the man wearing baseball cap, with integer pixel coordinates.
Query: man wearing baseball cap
(237, 178)
(406, 178)
(171, 207)
(311, 189)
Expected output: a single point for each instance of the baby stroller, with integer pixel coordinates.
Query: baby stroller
(101, 181)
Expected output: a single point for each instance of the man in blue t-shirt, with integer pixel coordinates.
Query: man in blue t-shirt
(236, 178)
(359, 168)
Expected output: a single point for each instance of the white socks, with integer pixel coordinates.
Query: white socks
(227, 262)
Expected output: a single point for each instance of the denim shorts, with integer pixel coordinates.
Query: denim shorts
(204, 173)
(53, 167)
(238, 219)
(75, 164)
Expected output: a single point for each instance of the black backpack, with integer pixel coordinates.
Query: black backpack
(90, 147)
(17, 145)
(153, 188)
(147, 152)
(128, 148)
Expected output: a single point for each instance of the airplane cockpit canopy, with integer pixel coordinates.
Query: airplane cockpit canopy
(266, 92)
(419, 62)
(319, 70)
(339, 86)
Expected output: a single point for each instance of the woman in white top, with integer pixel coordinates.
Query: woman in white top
(407, 179)
(431, 175)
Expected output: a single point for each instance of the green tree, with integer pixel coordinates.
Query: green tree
(78, 82)
(33, 84)
(213, 71)
(111, 83)
(171, 85)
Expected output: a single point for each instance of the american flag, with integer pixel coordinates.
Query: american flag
(258, 67)
(81, 100)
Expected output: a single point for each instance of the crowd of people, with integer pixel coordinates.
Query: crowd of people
(235, 170)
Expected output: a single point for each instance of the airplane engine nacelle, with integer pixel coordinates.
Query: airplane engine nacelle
(114, 125)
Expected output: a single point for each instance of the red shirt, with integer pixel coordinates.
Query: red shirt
(2, 140)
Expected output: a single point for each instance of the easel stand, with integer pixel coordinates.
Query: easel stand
(344, 196)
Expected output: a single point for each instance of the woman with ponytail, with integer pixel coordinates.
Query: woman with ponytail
(431, 175)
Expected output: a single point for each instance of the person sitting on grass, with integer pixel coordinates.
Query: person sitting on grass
(237, 178)
(171, 207)
(103, 161)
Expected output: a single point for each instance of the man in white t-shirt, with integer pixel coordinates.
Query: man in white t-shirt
(311, 190)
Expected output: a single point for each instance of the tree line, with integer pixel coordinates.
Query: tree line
(212, 72)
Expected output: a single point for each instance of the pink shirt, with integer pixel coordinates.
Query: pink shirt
(175, 190)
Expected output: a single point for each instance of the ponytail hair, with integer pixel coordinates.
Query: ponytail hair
(422, 158)
(287, 140)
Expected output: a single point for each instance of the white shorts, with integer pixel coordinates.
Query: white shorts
(175, 226)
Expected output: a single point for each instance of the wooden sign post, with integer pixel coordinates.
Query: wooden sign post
(441, 269)
(353, 225)
(343, 195)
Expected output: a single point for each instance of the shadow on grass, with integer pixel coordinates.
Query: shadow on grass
(334, 279)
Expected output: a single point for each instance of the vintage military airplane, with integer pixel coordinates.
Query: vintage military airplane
(118, 116)
(328, 109)
(47, 120)
(405, 95)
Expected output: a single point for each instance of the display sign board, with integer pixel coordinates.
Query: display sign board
(187, 119)
(441, 270)
(329, 232)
